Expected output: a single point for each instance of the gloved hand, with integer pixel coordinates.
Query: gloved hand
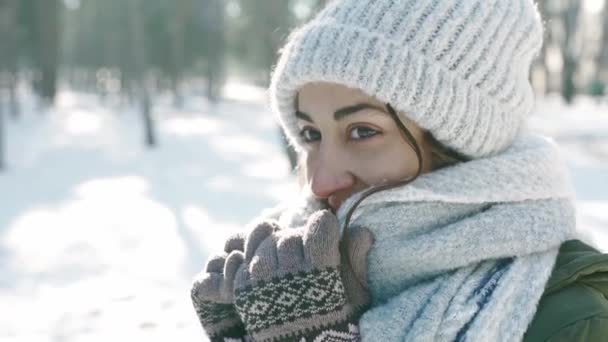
(302, 284)
(212, 294)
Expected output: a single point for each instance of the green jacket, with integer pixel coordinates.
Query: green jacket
(574, 306)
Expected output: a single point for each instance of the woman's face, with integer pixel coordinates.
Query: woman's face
(352, 142)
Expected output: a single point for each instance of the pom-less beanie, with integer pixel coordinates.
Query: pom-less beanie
(458, 68)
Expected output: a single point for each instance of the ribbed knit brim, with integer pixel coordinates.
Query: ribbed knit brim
(457, 68)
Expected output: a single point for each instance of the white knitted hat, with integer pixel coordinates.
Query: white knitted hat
(458, 68)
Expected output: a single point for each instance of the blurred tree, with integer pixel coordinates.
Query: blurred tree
(8, 65)
(1, 136)
(178, 27)
(1, 133)
(602, 57)
(213, 26)
(8, 53)
(138, 52)
(596, 88)
(7, 15)
(46, 36)
(265, 25)
(570, 15)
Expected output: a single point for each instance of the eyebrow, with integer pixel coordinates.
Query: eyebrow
(342, 112)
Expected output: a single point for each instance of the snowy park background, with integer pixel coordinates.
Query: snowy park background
(100, 237)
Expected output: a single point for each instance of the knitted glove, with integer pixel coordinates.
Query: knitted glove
(212, 294)
(294, 287)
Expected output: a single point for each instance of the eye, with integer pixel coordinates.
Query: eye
(362, 132)
(310, 135)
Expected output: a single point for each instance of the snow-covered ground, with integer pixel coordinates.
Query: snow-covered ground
(100, 237)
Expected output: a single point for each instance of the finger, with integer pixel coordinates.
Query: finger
(235, 242)
(290, 252)
(233, 262)
(322, 239)
(242, 278)
(207, 287)
(359, 241)
(257, 235)
(264, 262)
(215, 264)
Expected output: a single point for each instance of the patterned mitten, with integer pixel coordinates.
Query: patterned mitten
(294, 287)
(212, 294)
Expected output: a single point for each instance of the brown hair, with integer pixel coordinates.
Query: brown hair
(441, 155)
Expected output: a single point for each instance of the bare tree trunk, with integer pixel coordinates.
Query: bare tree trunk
(13, 100)
(12, 62)
(8, 51)
(272, 21)
(213, 19)
(177, 30)
(570, 20)
(2, 153)
(139, 64)
(602, 61)
(8, 14)
(47, 46)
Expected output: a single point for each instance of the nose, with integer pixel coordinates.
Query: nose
(329, 177)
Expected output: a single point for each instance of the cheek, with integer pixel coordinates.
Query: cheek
(393, 162)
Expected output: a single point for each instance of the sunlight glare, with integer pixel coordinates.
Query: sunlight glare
(191, 126)
(593, 6)
(81, 122)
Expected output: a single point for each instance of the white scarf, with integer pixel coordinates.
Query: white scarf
(462, 253)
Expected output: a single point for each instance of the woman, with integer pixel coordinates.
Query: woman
(433, 213)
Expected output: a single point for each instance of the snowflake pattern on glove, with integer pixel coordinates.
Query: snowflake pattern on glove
(339, 336)
(294, 296)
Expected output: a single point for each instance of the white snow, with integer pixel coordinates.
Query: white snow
(100, 237)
